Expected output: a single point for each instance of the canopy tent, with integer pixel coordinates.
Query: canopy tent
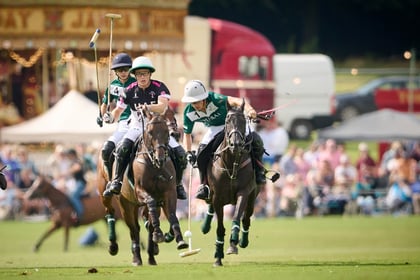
(71, 120)
(384, 125)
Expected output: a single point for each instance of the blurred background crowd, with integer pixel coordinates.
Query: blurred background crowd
(321, 178)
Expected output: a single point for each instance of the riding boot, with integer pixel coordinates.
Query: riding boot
(107, 156)
(122, 160)
(179, 159)
(257, 155)
(203, 158)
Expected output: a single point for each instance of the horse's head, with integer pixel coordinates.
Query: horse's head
(156, 140)
(235, 128)
(37, 189)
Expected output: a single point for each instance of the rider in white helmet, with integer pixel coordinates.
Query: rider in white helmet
(155, 95)
(210, 108)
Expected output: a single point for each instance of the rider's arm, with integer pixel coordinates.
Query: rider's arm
(116, 113)
(160, 107)
(103, 108)
(236, 102)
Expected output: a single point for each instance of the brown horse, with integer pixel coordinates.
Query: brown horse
(149, 182)
(110, 208)
(62, 209)
(231, 180)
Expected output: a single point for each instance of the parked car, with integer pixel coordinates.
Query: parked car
(387, 92)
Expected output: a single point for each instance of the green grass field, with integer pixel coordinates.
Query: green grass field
(348, 247)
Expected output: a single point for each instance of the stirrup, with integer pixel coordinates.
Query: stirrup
(275, 177)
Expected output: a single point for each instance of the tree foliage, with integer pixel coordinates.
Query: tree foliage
(340, 28)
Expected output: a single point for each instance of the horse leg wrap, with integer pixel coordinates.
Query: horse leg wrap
(158, 235)
(135, 250)
(177, 231)
(205, 228)
(234, 235)
(110, 220)
(243, 243)
(219, 254)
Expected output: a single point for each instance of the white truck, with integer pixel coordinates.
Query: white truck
(305, 85)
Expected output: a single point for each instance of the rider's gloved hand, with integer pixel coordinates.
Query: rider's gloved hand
(108, 118)
(191, 157)
(99, 121)
(252, 114)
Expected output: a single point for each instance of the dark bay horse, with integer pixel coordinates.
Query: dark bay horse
(149, 183)
(232, 181)
(61, 209)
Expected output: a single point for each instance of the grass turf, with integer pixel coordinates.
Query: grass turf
(349, 247)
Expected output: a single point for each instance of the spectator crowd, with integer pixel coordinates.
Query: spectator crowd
(320, 179)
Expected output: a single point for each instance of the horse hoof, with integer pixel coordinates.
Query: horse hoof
(218, 263)
(113, 249)
(169, 237)
(205, 228)
(182, 245)
(243, 243)
(232, 250)
(152, 261)
(137, 263)
(158, 237)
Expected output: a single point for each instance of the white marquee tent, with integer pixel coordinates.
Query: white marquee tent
(71, 120)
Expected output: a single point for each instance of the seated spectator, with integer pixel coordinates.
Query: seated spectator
(287, 163)
(313, 195)
(290, 195)
(398, 198)
(302, 165)
(345, 176)
(330, 152)
(364, 192)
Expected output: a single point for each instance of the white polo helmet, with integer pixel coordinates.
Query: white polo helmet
(142, 62)
(194, 91)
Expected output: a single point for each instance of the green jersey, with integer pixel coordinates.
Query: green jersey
(117, 88)
(215, 115)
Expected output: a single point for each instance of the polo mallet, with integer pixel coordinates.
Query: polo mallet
(188, 233)
(92, 44)
(112, 17)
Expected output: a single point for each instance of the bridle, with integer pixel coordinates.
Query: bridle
(157, 154)
(238, 148)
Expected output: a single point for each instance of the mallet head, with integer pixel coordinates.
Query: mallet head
(112, 16)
